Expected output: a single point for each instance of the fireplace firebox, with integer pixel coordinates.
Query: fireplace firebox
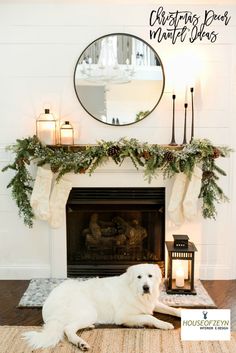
(109, 229)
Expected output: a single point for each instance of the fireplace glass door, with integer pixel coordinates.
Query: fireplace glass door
(109, 229)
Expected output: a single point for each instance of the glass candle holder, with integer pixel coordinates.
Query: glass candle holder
(66, 134)
(46, 126)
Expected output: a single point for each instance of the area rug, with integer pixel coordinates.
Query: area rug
(118, 340)
(39, 289)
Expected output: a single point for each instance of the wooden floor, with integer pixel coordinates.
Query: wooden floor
(222, 292)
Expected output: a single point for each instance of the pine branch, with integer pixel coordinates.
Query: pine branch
(219, 170)
(153, 158)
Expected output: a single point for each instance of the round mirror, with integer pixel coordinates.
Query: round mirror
(119, 79)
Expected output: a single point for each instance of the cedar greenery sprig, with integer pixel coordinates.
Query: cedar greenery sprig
(153, 159)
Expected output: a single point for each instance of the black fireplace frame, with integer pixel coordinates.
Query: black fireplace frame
(85, 196)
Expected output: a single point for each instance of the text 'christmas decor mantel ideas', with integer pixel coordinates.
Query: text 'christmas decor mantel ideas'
(153, 159)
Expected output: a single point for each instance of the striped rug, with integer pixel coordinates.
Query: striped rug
(118, 340)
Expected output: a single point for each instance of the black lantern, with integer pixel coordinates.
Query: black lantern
(180, 271)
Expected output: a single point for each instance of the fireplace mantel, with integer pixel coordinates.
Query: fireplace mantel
(151, 159)
(82, 147)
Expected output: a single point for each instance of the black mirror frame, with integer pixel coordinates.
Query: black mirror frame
(133, 36)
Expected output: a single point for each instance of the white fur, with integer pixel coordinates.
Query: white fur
(119, 300)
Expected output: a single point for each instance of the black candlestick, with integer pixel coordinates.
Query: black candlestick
(173, 143)
(185, 123)
(192, 128)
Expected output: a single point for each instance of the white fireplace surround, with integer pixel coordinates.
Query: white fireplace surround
(125, 176)
(109, 176)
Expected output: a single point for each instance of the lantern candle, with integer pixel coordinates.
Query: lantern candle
(180, 277)
(180, 281)
(46, 128)
(47, 133)
(66, 134)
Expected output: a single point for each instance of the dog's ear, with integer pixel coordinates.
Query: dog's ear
(130, 273)
(158, 272)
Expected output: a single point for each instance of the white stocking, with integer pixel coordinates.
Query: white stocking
(175, 207)
(191, 198)
(39, 200)
(58, 199)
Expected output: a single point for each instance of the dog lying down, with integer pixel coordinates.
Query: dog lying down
(129, 300)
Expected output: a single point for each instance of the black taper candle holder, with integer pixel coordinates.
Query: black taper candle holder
(185, 124)
(192, 127)
(173, 143)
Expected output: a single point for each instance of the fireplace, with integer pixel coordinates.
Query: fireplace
(109, 229)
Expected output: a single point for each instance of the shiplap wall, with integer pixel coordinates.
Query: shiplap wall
(40, 42)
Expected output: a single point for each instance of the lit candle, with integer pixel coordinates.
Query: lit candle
(46, 128)
(186, 95)
(180, 277)
(66, 137)
(66, 134)
(47, 133)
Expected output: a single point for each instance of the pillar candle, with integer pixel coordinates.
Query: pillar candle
(180, 277)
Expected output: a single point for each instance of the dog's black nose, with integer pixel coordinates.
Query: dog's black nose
(146, 288)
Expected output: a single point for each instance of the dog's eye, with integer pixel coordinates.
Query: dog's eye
(139, 277)
(149, 276)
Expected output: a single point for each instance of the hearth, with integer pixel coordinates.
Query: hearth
(109, 229)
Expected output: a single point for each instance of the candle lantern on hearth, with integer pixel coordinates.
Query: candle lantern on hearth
(180, 270)
(66, 134)
(46, 126)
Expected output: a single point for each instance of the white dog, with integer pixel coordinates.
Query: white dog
(129, 300)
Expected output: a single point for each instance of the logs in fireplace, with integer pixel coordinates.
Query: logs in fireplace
(109, 229)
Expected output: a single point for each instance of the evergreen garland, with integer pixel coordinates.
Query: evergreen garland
(153, 159)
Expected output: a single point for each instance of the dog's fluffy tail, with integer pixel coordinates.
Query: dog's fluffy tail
(50, 335)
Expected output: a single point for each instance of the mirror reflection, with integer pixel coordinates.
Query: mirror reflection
(119, 79)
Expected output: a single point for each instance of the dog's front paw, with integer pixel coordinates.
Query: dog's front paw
(83, 346)
(178, 312)
(167, 326)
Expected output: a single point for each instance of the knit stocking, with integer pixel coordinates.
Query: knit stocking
(58, 199)
(40, 196)
(175, 207)
(191, 198)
